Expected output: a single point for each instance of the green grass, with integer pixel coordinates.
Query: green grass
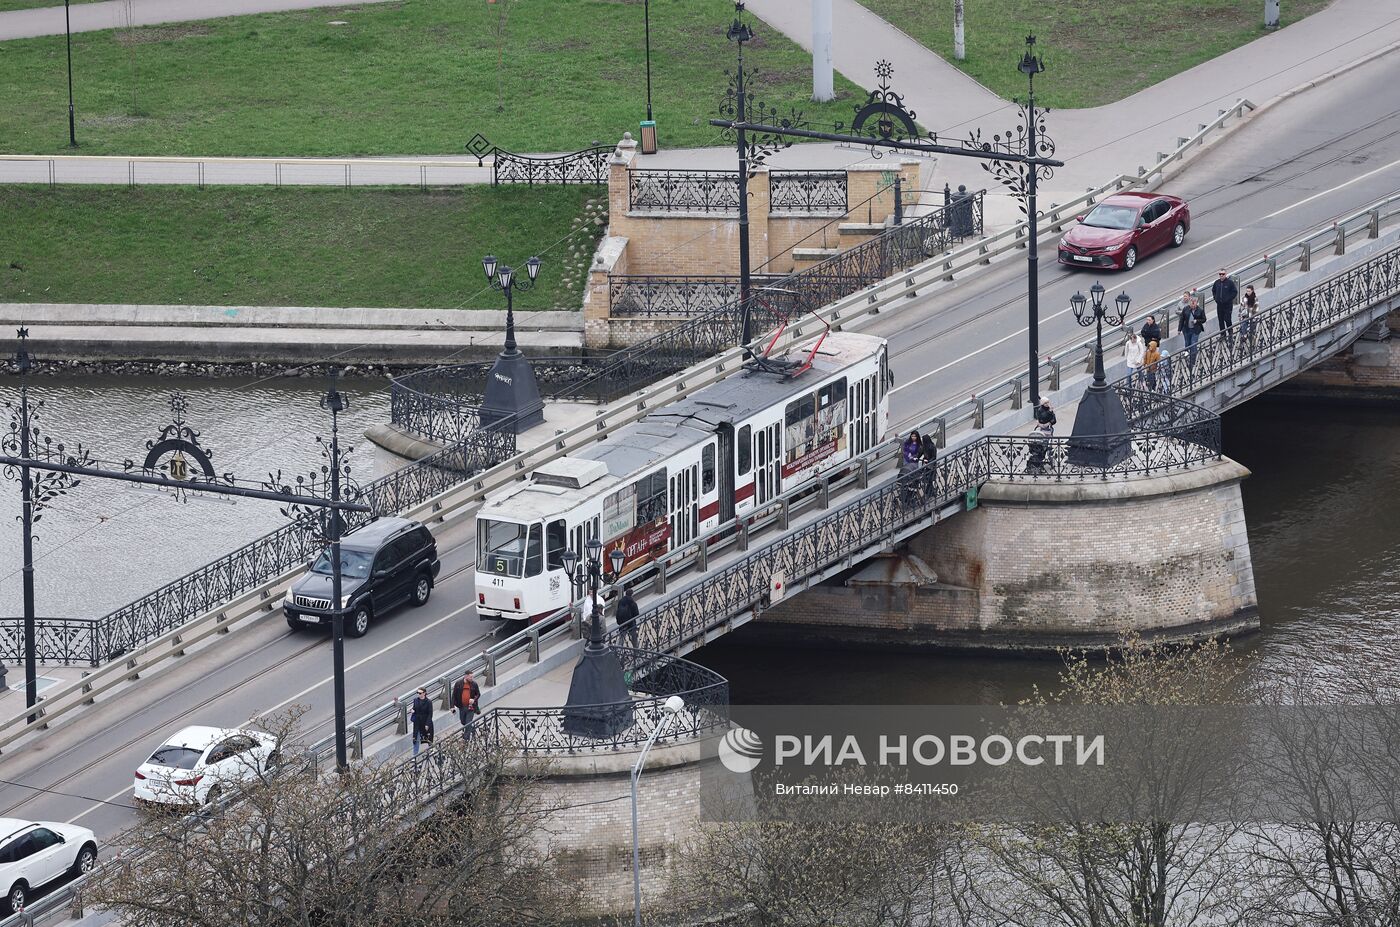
(410, 77)
(1095, 51)
(290, 246)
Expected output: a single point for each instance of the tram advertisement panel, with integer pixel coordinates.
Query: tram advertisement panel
(815, 428)
(641, 544)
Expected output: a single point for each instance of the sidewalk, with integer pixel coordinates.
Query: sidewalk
(111, 14)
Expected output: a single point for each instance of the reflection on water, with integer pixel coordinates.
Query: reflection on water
(1322, 507)
(106, 543)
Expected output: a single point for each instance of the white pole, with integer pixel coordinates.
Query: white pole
(673, 706)
(823, 78)
(959, 49)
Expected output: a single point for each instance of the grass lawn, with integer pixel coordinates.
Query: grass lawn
(291, 246)
(1096, 51)
(409, 77)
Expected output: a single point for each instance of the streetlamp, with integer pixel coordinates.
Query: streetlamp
(673, 707)
(68, 32)
(599, 705)
(649, 124)
(1031, 65)
(739, 33)
(336, 402)
(1100, 437)
(512, 395)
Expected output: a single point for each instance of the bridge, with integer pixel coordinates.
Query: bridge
(950, 336)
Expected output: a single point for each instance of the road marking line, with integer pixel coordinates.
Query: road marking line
(378, 653)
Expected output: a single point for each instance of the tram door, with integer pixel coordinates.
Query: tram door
(726, 472)
(685, 508)
(864, 412)
(768, 457)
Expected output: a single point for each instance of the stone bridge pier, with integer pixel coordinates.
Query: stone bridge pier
(1037, 565)
(1368, 371)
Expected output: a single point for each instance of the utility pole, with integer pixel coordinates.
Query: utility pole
(959, 48)
(823, 79)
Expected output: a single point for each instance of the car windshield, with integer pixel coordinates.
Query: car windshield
(1112, 217)
(500, 547)
(354, 564)
(176, 757)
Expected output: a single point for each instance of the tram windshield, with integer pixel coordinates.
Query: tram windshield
(500, 547)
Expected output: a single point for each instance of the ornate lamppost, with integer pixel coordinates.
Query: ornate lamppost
(512, 396)
(68, 33)
(599, 705)
(26, 441)
(1100, 438)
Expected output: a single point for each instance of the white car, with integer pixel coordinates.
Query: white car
(35, 853)
(199, 764)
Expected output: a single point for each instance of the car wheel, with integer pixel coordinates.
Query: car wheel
(358, 624)
(87, 858)
(1130, 258)
(212, 797)
(15, 900)
(1178, 234)
(422, 589)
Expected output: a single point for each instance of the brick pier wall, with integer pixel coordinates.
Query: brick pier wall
(1367, 371)
(1035, 567)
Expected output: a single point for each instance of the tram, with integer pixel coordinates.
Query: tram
(681, 471)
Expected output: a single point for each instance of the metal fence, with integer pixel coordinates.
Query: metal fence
(659, 296)
(588, 166)
(822, 192)
(683, 191)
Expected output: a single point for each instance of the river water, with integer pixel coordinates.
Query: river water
(106, 543)
(1323, 511)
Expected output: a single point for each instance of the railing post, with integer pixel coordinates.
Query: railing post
(357, 749)
(490, 673)
(979, 412)
(824, 493)
(741, 532)
(446, 684)
(862, 476)
(942, 425)
(1054, 365)
(660, 584)
(898, 201)
(400, 717)
(783, 512)
(1341, 239)
(702, 556)
(534, 653)
(1016, 385)
(1270, 273)
(1373, 224)
(1305, 257)
(87, 688)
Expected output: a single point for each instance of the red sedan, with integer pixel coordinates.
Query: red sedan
(1125, 227)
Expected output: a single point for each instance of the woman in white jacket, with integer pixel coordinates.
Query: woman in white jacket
(1133, 351)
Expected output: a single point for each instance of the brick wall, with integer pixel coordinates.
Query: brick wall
(1030, 569)
(1366, 370)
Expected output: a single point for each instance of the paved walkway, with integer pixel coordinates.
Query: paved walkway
(112, 14)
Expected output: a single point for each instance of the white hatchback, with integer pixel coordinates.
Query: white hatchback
(35, 853)
(199, 764)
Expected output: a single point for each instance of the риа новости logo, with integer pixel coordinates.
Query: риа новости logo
(741, 751)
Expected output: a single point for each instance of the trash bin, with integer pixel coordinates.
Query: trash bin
(648, 136)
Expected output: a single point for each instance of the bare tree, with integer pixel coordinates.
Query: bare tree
(448, 838)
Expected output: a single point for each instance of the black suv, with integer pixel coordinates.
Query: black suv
(386, 562)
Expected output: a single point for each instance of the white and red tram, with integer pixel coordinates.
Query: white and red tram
(680, 472)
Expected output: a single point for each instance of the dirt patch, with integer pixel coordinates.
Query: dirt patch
(113, 121)
(149, 34)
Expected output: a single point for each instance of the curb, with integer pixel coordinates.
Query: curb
(1317, 81)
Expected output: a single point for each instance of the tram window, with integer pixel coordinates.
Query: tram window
(707, 468)
(651, 497)
(500, 547)
(745, 449)
(619, 512)
(831, 406)
(534, 551)
(556, 537)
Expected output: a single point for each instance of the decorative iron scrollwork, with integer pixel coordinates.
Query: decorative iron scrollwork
(758, 146)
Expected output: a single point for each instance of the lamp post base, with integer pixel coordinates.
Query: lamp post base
(1100, 437)
(512, 395)
(599, 705)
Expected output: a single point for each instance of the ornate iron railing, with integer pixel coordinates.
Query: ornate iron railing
(540, 731)
(647, 296)
(1250, 340)
(57, 640)
(683, 191)
(807, 191)
(588, 165)
(880, 515)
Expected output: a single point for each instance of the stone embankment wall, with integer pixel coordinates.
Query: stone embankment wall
(1037, 566)
(1367, 371)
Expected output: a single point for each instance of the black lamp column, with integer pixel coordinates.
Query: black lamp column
(599, 705)
(1100, 437)
(31, 668)
(512, 396)
(646, 16)
(335, 402)
(740, 32)
(1031, 65)
(68, 32)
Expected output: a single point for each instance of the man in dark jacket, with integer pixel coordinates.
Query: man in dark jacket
(1224, 292)
(1151, 331)
(627, 612)
(466, 699)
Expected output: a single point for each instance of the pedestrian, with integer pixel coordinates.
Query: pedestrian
(909, 456)
(420, 716)
(1164, 373)
(928, 457)
(1191, 323)
(1224, 292)
(627, 612)
(1045, 413)
(1249, 313)
(1040, 446)
(466, 698)
(1150, 358)
(1133, 350)
(1151, 331)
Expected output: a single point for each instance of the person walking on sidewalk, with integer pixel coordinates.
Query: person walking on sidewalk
(420, 716)
(1224, 292)
(627, 612)
(1151, 331)
(1149, 364)
(1191, 323)
(1133, 352)
(466, 698)
(1249, 313)
(1045, 413)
